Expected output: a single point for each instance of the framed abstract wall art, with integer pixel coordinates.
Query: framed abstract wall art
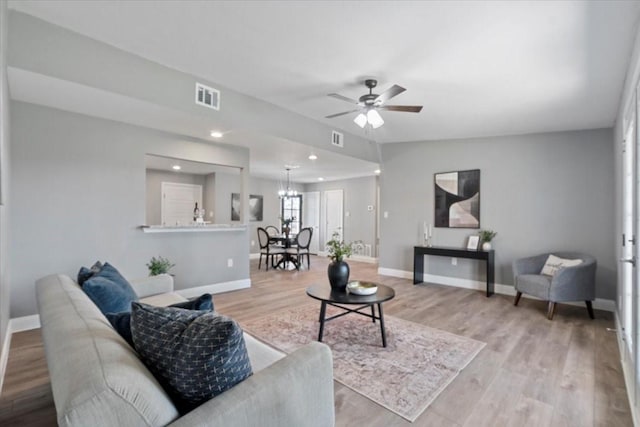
(457, 199)
(255, 207)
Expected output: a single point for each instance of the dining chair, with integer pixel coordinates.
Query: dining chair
(272, 230)
(267, 250)
(301, 248)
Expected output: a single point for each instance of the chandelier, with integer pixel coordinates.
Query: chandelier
(288, 192)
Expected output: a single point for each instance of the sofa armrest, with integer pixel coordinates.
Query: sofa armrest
(152, 285)
(295, 391)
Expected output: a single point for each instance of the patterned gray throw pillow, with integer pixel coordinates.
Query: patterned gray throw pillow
(195, 355)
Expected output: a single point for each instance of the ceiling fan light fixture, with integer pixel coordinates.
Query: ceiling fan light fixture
(374, 119)
(360, 120)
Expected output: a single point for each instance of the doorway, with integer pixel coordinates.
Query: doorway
(333, 214)
(311, 218)
(178, 203)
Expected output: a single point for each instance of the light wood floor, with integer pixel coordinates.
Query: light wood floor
(533, 371)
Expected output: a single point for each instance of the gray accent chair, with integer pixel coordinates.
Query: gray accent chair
(576, 283)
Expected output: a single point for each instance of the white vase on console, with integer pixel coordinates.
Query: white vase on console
(486, 246)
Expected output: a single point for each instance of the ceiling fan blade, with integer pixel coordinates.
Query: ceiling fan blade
(389, 93)
(342, 98)
(405, 108)
(341, 114)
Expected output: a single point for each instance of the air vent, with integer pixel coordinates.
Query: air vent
(207, 96)
(337, 139)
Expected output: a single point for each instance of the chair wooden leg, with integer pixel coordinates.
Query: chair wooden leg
(590, 309)
(517, 300)
(551, 310)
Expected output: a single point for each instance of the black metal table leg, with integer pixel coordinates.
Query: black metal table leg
(373, 313)
(323, 309)
(384, 335)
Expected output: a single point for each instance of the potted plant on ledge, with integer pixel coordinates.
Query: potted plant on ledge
(338, 270)
(159, 265)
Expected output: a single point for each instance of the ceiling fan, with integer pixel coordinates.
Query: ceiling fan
(369, 104)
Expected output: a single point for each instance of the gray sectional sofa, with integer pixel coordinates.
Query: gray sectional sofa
(98, 379)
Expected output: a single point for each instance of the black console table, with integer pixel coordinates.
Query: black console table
(420, 251)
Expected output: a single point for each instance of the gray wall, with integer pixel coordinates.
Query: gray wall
(153, 188)
(4, 180)
(540, 192)
(358, 222)
(79, 196)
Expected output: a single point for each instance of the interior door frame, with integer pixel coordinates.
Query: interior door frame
(325, 197)
(315, 237)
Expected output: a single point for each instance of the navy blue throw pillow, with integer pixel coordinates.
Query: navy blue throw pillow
(203, 302)
(195, 355)
(121, 322)
(86, 273)
(109, 290)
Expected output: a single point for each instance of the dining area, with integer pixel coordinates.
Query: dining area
(284, 249)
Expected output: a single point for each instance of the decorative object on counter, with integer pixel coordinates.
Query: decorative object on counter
(487, 236)
(428, 234)
(196, 213)
(159, 265)
(338, 270)
(472, 243)
(457, 199)
(362, 288)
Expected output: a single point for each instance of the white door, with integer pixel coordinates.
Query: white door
(627, 295)
(311, 218)
(178, 203)
(333, 214)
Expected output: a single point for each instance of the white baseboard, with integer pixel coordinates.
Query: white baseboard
(363, 258)
(4, 355)
(24, 323)
(599, 303)
(215, 288)
(18, 324)
(254, 256)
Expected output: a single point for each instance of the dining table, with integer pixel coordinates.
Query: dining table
(286, 241)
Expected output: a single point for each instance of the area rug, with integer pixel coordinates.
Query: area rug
(405, 377)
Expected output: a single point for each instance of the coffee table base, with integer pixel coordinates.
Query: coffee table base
(380, 316)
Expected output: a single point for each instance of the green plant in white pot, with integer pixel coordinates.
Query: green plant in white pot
(338, 270)
(159, 265)
(487, 236)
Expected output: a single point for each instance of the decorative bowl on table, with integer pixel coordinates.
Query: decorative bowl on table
(361, 288)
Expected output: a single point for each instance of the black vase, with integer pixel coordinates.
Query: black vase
(338, 272)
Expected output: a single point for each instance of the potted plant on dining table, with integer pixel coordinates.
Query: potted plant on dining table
(286, 225)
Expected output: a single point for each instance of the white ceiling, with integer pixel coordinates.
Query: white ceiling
(479, 68)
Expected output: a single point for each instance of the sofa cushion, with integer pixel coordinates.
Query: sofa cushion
(109, 290)
(196, 355)
(554, 263)
(86, 273)
(121, 322)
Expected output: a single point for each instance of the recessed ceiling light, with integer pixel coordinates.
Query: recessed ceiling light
(216, 134)
(176, 167)
(320, 179)
(313, 157)
(377, 171)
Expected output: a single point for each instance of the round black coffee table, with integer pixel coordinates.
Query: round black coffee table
(326, 295)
